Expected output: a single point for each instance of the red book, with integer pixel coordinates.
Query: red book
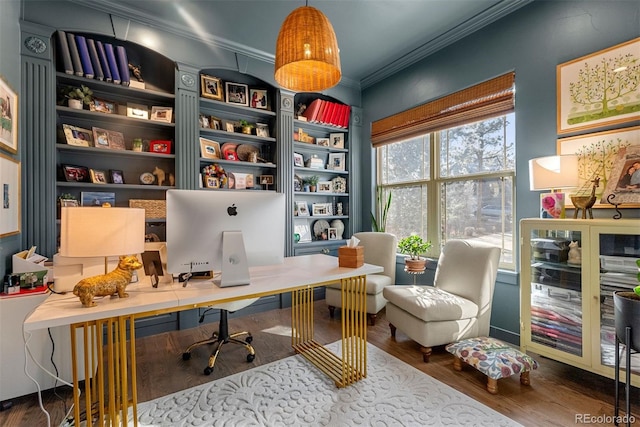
(326, 114)
(336, 115)
(341, 116)
(312, 110)
(318, 117)
(346, 116)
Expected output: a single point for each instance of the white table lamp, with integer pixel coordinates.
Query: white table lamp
(553, 173)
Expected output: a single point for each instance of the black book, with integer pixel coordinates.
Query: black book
(93, 54)
(75, 56)
(64, 54)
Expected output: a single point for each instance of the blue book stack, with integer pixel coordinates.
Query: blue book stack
(113, 65)
(75, 56)
(64, 54)
(123, 65)
(93, 54)
(85, 60)
(102, 56)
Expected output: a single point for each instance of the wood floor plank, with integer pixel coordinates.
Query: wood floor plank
(558, 392)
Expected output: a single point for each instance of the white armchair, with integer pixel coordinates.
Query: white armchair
(457, 307)
(379, 249)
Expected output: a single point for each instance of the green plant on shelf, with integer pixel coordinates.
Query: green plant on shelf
(82, 93)
(414, 246)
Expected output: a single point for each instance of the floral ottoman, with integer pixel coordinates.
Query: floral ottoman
(493, 358)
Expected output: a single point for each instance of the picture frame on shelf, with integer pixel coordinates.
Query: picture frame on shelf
(10, 173)
(137, 111)
(210, 149)
(262, 130)
(325, 187)
(297, 183)
(211, 182)
(587, 75)
(161, 114)
(229, 126)
(102, 106)
(116, 176)
(332, 233)
(266, 181)
(69, 203)
(104, 138)
(298, 160)
(215, 123)
(237, 93)
(9, 136)
(77, 136)
(98, 176)
(337, 140)
(302, 208)
(321, 209)
(211, 87)
(624, 181)
(336, 161)
(205, 122)
(339, 185)
(259, 99)
(322, 142)
(161, 146)
(97, 198)
(73, 173)
(302, 229)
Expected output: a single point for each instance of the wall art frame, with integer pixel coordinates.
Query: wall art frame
(610, 78)
(597, 155)
(624, 183)
(237, 93)
(211, 87)
(10, 173)
(8, 118)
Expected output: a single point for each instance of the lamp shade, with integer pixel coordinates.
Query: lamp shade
(553, 172)
(101, 232)
(307, 55)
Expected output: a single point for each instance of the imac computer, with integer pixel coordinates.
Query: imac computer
(225, 232)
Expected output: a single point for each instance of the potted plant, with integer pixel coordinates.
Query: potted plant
(246, 127)
(414, 246)
(627, 314)
(312, 181)
(379, 221)
(78, 96)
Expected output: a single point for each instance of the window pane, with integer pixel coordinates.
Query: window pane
(486, 146)
(408, 211)
(479, 209)
(405, 160)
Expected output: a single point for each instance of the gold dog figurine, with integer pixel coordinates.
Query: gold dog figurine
(107, 284)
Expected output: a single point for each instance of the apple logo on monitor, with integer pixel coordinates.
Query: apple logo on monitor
(232, 210)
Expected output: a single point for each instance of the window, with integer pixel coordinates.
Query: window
(453, 182)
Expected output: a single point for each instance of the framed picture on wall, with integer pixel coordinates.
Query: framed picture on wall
(599, 89)
(11, 197)
(623, 186)
(9, 117)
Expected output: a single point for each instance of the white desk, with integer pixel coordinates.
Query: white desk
(116, 316)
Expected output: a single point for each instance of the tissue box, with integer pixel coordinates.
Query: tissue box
(351, 257)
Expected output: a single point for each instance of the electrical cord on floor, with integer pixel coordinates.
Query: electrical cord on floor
(53, 363)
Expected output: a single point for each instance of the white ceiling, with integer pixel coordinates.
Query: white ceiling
(375, 37)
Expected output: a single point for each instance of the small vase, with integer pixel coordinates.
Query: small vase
(246, 130)
(76, 104)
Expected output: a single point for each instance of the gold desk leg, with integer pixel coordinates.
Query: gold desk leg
(352, 366)
(115, 378)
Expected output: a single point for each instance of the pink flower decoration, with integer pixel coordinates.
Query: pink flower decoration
(548, 202)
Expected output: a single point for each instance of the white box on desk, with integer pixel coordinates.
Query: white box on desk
(68, 271)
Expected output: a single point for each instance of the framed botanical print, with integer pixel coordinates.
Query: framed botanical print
(598, 153)
(8, 118)
(11, 197)
(599, 89)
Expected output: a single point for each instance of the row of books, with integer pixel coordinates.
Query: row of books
(93, 59)
(328, 113)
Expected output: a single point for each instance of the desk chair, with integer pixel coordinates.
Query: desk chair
(222, 335)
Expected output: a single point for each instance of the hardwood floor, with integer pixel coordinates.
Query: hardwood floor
(558, 393)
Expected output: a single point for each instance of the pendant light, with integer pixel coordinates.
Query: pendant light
(307, 55)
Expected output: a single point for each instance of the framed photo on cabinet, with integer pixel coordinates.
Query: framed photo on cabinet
(9, 128)
(117, 176)
(161, 114)
(74, 173)
(336, 161)
(78, 136)
(262, 130)
(137, 111)
(211, 87)
(258, 99)
(598, 89)
(336, 140)
(102, 106)
(98, 176)
(210, 149)
(237, 93)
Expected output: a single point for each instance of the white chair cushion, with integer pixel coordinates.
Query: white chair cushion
(430, 304)
(375, 283)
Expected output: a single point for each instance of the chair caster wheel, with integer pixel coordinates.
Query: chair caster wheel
(208, 370)
(251, 357)
(186, 356)
(248, 339)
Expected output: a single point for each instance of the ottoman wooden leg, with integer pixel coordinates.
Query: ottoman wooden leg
(457, 364)
(492, 385)
(426, 352)
(524, 378)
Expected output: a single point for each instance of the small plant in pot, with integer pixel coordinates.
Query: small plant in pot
(247, 128)
(414, 246)
(78, 97)
(312, 181)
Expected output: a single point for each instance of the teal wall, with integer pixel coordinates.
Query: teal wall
(531, 41)
(10, 72)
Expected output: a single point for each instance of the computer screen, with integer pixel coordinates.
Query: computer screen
(247, 225)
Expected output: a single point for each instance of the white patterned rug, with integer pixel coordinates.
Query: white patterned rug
(292, 392)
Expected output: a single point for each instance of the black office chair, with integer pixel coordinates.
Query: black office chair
(222, 335)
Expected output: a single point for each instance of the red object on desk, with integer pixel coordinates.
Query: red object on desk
(27, 291)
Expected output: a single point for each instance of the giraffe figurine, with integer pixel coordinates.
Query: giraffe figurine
(586, 202)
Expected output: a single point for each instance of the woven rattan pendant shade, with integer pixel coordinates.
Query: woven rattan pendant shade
(307, 56)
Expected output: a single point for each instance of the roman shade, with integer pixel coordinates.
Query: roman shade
(488, 99)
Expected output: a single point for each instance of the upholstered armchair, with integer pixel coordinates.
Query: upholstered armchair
(457, 307)
(379, 249)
